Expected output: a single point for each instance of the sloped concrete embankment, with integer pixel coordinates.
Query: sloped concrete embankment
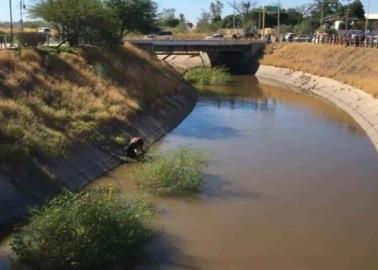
(88, 162)
(357, 103)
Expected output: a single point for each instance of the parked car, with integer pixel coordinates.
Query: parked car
(375, 40)
(44, 30)
(215, 36)
(164, 35)
(303, 38)
(289, 37)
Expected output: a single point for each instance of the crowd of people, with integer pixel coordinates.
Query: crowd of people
(355, 40)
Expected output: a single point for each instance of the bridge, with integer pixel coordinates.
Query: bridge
(239, 56)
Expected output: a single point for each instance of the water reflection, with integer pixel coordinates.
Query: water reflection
(218, 188)
(292, 184)
(290, 177)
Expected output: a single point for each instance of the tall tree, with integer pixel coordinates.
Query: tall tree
(133, 15)
(204, 22)
(216, 9)
(356, 10)
(72, 18)
(182, 17)
(291, 16)
(245, 9)
(168, 17)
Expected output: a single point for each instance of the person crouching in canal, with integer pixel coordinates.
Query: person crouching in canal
(135, 149)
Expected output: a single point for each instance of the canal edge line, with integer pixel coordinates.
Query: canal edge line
(362, 107)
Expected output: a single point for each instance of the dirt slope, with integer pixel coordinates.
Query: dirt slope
(354, 66)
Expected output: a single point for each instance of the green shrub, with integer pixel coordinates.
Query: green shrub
(96, 229)
(175, 173)
(207, 76)
(31, 39)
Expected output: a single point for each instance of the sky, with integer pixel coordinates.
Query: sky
(191, 8)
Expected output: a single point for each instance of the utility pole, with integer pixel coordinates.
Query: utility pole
(234, 20)
(263, 22)
(347, 16)
(367, 18)
(279, 22)
(11, 20)
(21, 16)
(259, 23)
(321, 12)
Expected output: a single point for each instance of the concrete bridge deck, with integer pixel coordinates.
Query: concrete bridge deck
(239, 56)
(198, 45)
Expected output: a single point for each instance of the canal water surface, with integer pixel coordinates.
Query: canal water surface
(292, 184)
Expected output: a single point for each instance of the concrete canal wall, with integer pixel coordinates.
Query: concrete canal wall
(87, 162)
(25, 183)
(357, 103)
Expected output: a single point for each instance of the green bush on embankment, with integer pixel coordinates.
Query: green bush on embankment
(92, 230)
(174, 173)
(207, 75)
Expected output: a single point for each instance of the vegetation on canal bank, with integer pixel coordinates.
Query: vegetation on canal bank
(175, 173)
(95, 229)
(52, 100)
(353, 66)
(207, 75)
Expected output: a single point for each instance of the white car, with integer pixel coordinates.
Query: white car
(215, 36)
(289, 36)
(44, 30)
(164, 35)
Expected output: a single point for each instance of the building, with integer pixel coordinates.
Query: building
(373, 21)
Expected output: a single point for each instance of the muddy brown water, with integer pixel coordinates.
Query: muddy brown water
(292, 184)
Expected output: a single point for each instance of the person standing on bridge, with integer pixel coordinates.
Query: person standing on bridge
(2, 41)
(268, 39)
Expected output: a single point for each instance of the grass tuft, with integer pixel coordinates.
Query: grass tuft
(174, 173)
(207, 76)
(96, 229)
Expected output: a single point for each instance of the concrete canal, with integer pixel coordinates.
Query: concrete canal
(292, 184)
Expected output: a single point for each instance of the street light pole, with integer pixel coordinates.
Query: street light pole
(279, 22)
(11, 21)
(21, 16)
(234, 20)
(367, 18)
(321, 12)
(347, 16)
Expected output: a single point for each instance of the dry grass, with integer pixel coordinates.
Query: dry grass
(354, 66)
(16, 29)
(51, 100)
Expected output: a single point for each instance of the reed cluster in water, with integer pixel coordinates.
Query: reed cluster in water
(207, 75)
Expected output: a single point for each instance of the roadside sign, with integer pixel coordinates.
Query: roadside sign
(272, 9)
